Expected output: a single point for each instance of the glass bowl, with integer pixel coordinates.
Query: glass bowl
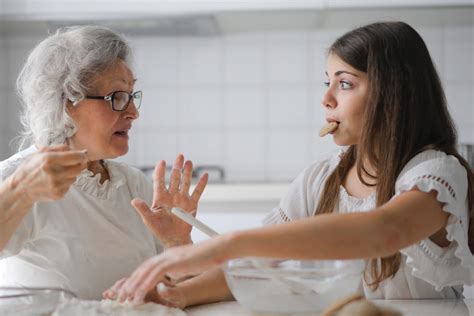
(21, 301)
(292, 286)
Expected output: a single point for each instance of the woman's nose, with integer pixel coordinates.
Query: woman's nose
(132, 111)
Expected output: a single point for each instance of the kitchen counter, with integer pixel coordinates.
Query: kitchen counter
(241, 197)
(244, 192)
(407, 307)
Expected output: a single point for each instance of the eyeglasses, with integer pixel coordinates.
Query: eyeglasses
(120, 99)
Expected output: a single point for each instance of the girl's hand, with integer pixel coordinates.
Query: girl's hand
(47, 174)
(177, 262)
(171, 230)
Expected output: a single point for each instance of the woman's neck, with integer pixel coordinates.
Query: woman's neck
(98, 167)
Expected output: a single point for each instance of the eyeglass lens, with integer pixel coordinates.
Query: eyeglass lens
(121, 100)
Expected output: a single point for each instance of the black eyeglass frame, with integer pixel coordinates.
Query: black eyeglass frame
(110, 98)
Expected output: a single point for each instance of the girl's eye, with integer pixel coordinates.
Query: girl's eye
(345, 85)
(326, 83)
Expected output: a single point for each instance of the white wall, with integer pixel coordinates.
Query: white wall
(4, 79)
(252, 102)
(249, 102)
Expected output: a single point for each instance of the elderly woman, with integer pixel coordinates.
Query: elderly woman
(66, 218)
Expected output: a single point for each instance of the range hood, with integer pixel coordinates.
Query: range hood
(113, 9)
(211, 18)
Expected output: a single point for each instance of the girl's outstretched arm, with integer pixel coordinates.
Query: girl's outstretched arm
(405, 220)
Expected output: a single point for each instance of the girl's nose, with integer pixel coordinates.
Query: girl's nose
(328, 100)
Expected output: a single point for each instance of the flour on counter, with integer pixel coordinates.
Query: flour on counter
(76, 307)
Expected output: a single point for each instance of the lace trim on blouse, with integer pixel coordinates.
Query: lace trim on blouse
(90, 183)
(349, 203)
(439, 180)
(283, 216)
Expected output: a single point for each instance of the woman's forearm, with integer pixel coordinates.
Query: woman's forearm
(14, 205)
(206, 288)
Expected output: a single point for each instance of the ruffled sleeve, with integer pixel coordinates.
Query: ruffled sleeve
(24, 230)
(303, 195)
(453, 265)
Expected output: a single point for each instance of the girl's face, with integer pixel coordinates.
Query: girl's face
(345, 100)
(100, 130)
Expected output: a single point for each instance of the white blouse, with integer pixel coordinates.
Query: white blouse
(85, 241)
(426, 270)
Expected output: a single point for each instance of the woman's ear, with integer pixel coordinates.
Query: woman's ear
(71, 107)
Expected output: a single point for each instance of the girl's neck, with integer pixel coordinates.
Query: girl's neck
(354, 185)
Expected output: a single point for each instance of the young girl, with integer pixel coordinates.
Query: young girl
(398, 194)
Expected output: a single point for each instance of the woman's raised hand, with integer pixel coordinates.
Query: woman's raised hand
(171, 230)
(47, 174)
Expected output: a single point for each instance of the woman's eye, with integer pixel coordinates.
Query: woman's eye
(326, 83)
(345, 85)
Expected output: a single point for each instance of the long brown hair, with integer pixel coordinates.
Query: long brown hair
(406, 113)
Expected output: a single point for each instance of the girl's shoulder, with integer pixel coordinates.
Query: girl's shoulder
(433, 162)
(435, 170)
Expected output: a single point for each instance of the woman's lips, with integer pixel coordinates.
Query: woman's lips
(122, 134)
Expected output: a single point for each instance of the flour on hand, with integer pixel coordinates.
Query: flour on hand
(75, 307)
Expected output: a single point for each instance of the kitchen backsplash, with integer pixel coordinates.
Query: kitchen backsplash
(248, 102)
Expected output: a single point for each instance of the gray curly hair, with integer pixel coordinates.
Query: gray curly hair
(60, 68)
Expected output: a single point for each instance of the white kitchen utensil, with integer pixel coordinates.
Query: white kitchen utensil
(188, 218)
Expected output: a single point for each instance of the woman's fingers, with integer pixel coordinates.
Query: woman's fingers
(159, 175)
(187, 176)
(48, 174)
(146, 277)
(61, 147)
(72, 171)
(66, 158)
(125, 292)
(175, 178)
(150, 279)
(201, 185)
(111, 293)
(141, 207)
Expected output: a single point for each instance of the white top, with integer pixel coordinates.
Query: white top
(426, 270)
(84, 242)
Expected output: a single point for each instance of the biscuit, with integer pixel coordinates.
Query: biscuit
(328, 128)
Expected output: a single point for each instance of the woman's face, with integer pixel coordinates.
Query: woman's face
(345, 99)
(100, 130)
